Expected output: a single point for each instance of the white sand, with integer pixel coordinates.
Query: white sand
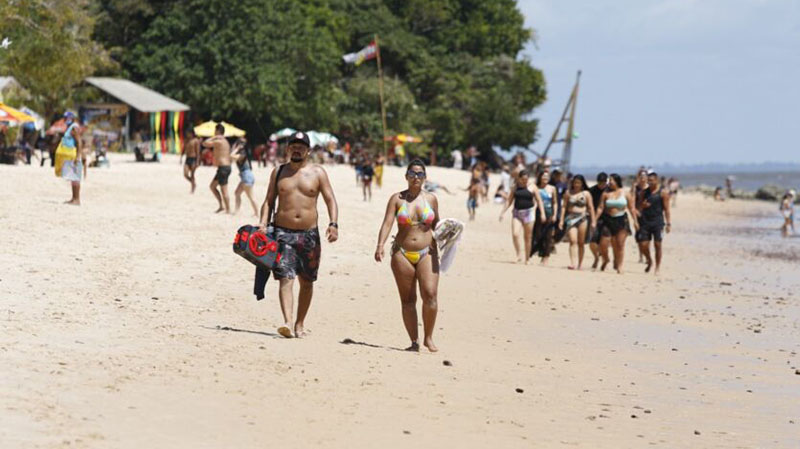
(113, 314)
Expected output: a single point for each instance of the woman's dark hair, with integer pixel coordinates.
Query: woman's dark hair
(581, 179)
(417, 163)
(539, 178)
(617, 179)
(523, 173)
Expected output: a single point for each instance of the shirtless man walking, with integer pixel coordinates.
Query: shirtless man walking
(655, 209)
(222, 159)
(299, 184)
(191, 149)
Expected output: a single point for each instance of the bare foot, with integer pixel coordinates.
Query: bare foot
(194, 186)
(429, 344)
(73, 202)
(649, 265)
(221, 209)
(657, 270)
(544, 260)
(413, 348)
(603, 267)
(594, 264)
(300, 331)
(285, 331)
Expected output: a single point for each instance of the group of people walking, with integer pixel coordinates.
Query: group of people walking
(544, 214)
(224, 156)
(290, 207)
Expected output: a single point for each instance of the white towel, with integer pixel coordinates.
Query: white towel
(447, 235)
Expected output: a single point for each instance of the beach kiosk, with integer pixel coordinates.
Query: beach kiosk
(132, 117)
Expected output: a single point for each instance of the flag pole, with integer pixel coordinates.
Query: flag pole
(380, 92)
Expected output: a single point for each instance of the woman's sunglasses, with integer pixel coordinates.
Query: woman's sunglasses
(415, 174)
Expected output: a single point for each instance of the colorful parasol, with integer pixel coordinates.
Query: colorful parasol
(207, 129)
(13, 116)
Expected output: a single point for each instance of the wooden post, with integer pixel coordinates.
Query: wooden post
(380, 92)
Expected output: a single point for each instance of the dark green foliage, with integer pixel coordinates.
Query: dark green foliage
(451, 67)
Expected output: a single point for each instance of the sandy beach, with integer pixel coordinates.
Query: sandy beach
(129, 322)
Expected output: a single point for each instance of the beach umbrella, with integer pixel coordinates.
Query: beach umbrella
(207, 129)
(284, 133)
(13, 116)
(321, 139)
(405, 138)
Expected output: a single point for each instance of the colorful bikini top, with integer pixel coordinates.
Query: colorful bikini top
(425, 214)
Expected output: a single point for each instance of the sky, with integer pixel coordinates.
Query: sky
(678, 81)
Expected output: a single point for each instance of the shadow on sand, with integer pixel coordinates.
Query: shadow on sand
(350, 341)
(233, 329)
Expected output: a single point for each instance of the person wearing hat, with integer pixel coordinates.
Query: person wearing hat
(222, 159)
(297, 185)
(68, 158)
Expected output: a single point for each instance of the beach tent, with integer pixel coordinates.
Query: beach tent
(13, 116)
(207, 129)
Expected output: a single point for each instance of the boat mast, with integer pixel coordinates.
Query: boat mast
(567, 116)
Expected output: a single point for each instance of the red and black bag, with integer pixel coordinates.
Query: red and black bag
(260, 248)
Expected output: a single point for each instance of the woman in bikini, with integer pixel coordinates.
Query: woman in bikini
(525, 199)
(616, 204)
(414, 257)
(241, 155)
(577, 213)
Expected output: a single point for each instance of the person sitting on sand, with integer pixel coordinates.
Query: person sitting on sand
(526, 201)
(787, 211)
(414, 256)
(577, 216)
(297, 187)
(241, 155)
(222, 159)
(616, 204)
(191, 149)
(654, 213)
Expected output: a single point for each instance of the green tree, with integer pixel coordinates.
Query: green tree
(452, 67)
(51, 50)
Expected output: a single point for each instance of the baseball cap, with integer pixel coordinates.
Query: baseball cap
(69, 114)
(300, 137)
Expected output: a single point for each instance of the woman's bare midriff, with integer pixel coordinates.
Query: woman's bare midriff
(414, 237)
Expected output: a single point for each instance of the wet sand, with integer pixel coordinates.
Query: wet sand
(129, 323)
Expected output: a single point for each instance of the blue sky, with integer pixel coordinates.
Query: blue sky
(680, 81)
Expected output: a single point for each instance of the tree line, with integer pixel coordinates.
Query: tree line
(452, 68)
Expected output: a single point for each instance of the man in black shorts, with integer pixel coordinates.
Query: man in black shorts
(655, 209)
(597, 192)
(222, 159)
(297, 186)
(191, 149)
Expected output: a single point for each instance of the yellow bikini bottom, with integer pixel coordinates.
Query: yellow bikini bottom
(412, 256)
